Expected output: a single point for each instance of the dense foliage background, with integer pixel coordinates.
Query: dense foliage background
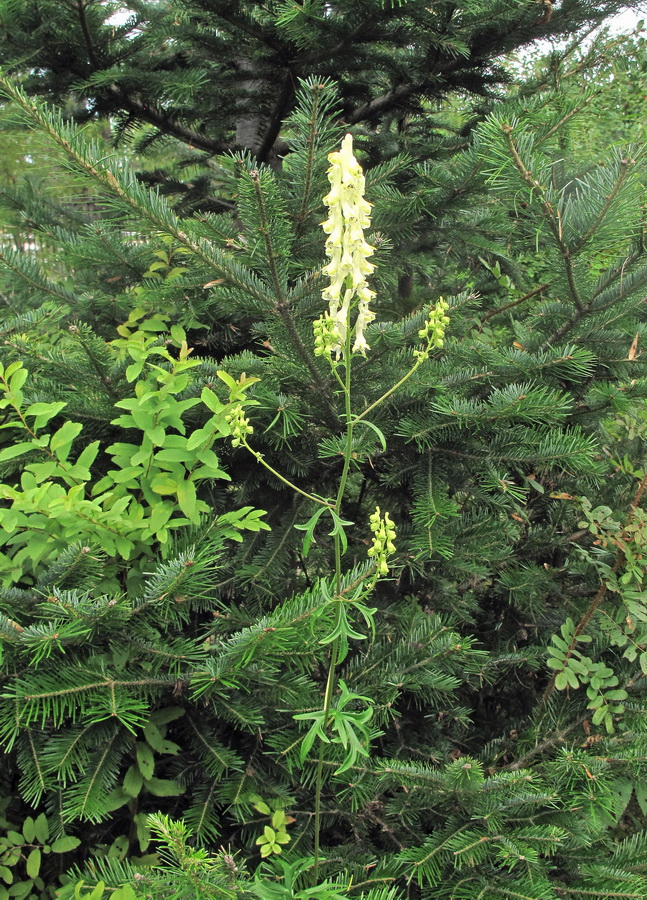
(162, 622)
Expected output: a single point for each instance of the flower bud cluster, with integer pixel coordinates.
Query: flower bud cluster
(346, 248)
(434, 328)
(326, 337)
(383, 530)
(239, 424)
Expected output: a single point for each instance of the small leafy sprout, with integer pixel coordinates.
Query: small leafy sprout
(383, 530)
(237, 388)
(275, 834)
(574, 669)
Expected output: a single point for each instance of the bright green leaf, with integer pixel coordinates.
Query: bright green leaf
(33, 863)
(211, 401)
(17, 380)
(125, 892)
(42, 828)
(278, 818)
(45, 411)
(98, 891)
(21, 889)
(16, 450)
(65, 844)
(186, 498)
(63, 438)
(164, 484)
(29, 830)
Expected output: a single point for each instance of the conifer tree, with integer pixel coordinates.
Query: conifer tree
(222, 76)
(169, 634)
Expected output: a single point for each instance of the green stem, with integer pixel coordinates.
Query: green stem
(259, 458)
(347, 457)
(330, 687)
(391, 390)
(330, 683)
(336, 374)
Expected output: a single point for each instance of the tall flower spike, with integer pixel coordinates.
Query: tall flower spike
(348, 252)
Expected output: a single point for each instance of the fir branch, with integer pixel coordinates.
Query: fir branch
(386, 102)
(145, 204)
(165, 123)
(29, 271)
(495, 312)
(551, 215)
(625, 165)
(315, 92)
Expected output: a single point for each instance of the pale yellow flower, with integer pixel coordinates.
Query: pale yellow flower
(364, 317)
(346, 248)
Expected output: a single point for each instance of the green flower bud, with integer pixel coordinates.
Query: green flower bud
(326, 337)
(433, 330)
(239, 425)
(383, 530)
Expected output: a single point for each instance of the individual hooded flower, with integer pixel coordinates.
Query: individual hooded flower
(346, 248)
(364, 317)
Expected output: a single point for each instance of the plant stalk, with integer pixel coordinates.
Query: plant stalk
(259, 458)
(330, 682)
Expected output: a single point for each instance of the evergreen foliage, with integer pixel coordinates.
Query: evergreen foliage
(215, 77)
(184, 669)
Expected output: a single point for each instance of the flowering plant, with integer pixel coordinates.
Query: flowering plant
(347, 292)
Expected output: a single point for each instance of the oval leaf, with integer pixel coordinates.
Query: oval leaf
(33, 863)
(65, 844)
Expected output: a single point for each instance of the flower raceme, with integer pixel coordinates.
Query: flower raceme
(383, 529)
(348, 252)
(239, 424)
(433, 330)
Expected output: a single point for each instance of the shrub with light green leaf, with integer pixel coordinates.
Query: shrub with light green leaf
(150, 487)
